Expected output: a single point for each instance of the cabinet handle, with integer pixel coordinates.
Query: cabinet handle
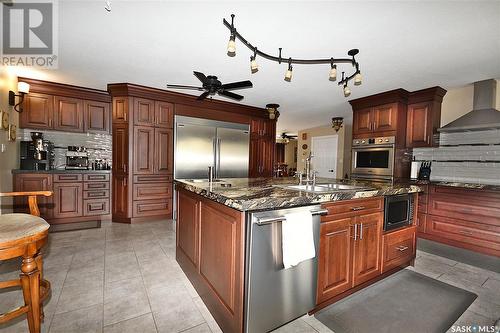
(357, 208)
(124, 181)
(50, 122)
(466, 232)
(355, 232)
(360, 231)
(402, 248)
(124, 167)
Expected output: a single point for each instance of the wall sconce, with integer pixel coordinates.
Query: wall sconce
(272, 109)
(23, 88)
(337, 123)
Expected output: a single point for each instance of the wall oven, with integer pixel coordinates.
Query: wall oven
(373, 158)
(398, 211)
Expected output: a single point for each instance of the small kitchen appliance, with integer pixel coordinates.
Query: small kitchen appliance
(415, 169)
(425, 171)
(373, 158)
(37, 154)
(77, 158)
(398, 211)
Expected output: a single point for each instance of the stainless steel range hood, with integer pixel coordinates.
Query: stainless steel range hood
(484, 116)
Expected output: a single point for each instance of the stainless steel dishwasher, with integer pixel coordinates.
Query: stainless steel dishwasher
(274, 295)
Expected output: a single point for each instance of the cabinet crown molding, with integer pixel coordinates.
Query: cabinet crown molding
(135, 90)
(397, 95)
(66, 90)
(429, 94)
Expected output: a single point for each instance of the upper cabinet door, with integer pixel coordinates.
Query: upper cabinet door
(120, 149)
(144, 112)
(363, 121)
(68, 114)
(419, 125)
(256, 127)
(38, 111)
(164, 155)
(97, 117)
(385, 117)
(120, 109)
(164, 114)
(144, 150)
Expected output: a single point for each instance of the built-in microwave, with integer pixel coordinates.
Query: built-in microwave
(398, 211)
(373, 158)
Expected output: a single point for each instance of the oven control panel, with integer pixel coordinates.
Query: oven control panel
(389, 140)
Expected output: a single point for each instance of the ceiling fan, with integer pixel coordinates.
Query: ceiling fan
(287, 137)
(211, 86)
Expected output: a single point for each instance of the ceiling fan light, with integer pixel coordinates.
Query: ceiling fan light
(333, 73)
(254, 67)
(347, 91)
(357, 79)
(231, 46)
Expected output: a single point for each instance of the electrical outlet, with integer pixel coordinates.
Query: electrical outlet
(3, 148)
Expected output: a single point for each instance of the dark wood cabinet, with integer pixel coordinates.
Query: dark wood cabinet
(25, 182)
(144, 149)
(38, 111)
(385, 117)
(66, 108)
(350, 248)
(164, 114)
(121, 207)
(163, 155)
(334, 259)
(121, 149)
(424, 117)
(262, 145)
(120, 110)
(68, 114)
(362, 121)
(144, 112)
(68, 200)
(381, 120)
(466, 218)
(97, 117)
(366, 254)
(398, 248)
(210, 250)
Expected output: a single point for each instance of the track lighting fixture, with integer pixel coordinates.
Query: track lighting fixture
(288, 74)
(254, 67)
(356, 76)
(333, 71)
(357, 79)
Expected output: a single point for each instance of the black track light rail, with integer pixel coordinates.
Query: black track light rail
(280, 58)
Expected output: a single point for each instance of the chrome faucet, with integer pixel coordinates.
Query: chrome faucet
(310, 176)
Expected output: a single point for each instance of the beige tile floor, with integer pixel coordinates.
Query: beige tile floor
(124, 278)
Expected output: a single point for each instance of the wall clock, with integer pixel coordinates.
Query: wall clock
(12, 132)
(4, 120)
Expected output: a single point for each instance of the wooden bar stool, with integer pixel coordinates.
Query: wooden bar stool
(23, 235)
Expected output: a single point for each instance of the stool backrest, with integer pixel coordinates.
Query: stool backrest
(32, 199)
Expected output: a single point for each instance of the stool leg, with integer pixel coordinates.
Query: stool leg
(30, 279)
(39, 265)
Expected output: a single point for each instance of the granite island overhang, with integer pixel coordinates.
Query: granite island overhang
(216, 247)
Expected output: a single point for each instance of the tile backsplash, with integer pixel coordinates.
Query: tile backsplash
(469, 157)
(99, 146)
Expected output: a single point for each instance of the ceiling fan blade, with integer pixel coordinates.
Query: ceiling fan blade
(177, 86)
(200, 76)
(237, 85)
(230, 95)
(203, 96)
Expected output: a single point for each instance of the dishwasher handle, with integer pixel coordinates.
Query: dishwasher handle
(269, 220)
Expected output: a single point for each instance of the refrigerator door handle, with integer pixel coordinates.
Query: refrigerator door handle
(217, 156)
(214, 147)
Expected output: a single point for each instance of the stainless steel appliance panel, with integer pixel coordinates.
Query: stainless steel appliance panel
(232, 153)
(194, 151)
(373, 158)
(274, 295)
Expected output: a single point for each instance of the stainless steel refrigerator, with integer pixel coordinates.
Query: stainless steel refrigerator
(200, 143)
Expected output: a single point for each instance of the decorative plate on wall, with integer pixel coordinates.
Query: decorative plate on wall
(304, 146)
(12, 132)
(4, 120)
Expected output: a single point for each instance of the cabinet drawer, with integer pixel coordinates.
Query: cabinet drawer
(93, 207)
(68, 178)
(96, 177)
(152, 191)
(152, 178)
(96, 186)
(146, 208)
(464, 231)
(94, 194)
(352, 208)
(398, 248)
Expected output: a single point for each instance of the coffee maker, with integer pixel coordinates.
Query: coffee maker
(36, 154)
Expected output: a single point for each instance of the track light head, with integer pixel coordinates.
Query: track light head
(357, 79)
(254, 67)
(333, 73)
(347, 90)
(231, 46)
(288, 74)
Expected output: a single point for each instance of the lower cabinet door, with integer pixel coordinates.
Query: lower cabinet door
(188, 226)
(68, 200)
(145, 208)
(94, 207)
(366, 255)
(335, 259)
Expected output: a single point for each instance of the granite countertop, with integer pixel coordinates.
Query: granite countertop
(250, 194)
(469, 186)
(59, 171)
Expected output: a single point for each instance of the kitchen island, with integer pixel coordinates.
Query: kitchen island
(225, 228)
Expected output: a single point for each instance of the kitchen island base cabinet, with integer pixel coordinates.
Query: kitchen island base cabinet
(210, 250)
